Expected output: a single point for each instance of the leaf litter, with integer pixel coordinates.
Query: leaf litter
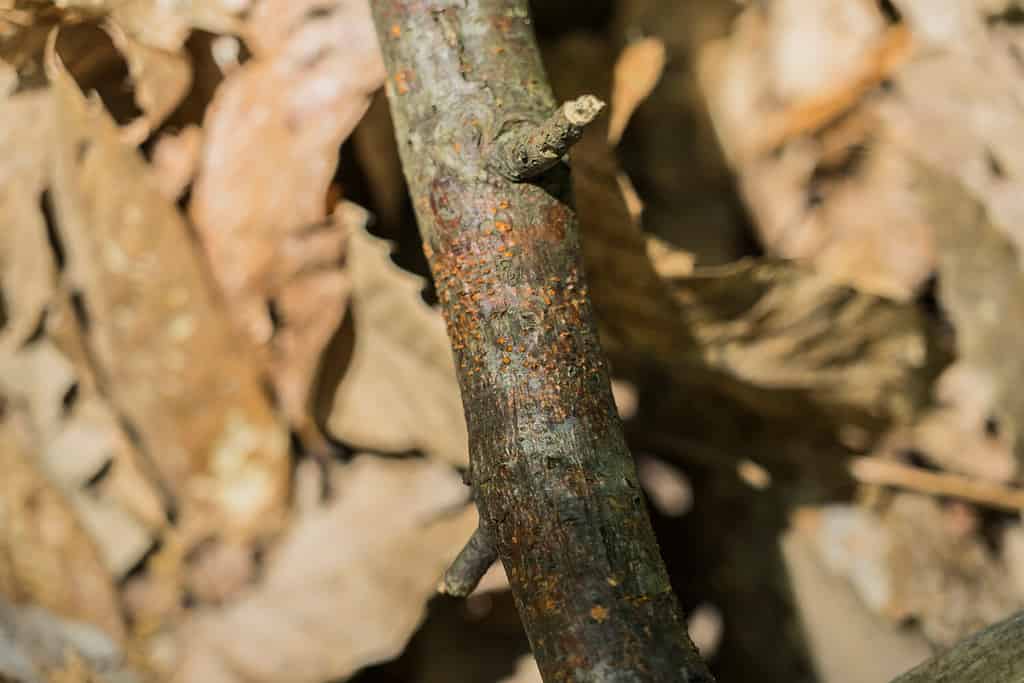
(181, 299)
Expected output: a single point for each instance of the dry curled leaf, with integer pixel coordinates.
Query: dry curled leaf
(399, 392)
(345, 588)
(142, 287)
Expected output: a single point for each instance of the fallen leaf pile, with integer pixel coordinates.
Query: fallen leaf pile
(181, 277)
(881, 147)
(230, 430)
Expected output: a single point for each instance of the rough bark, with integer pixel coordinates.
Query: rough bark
(552, 475)
(993, 655)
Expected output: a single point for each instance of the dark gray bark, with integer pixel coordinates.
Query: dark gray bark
(993, 655)
(552, 476)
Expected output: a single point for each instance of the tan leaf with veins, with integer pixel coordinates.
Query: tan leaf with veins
(345, 588)
(271, 140)
(399, 392)
(170, 362)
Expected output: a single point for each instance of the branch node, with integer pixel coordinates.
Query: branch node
(530, 149)
(470, 565)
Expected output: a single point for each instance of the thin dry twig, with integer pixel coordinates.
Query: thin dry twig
(873, 470)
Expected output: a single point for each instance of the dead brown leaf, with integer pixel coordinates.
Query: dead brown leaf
(906, 560)
(965, 91)
(981, 288)
(90, 449)
(310, 307)
(771, 326)
(848, 641)
(73, 449)
(130, 253)
(33, 640)
(161, 79)
(777, 326)
(159, 75)
(778, 337)
(165, 25)
(271, 140)
(831, 195)
(46, 558)
(35, 379)
(345, 588)
(948, 580)
(176, 159)
(27, 269)
(23, 30)
(399, 392)
(637, 72)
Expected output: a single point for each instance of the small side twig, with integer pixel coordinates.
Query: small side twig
(470, 565)
(988, 493)
(529, 149)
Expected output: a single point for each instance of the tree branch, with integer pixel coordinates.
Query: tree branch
(470, 565)
(992, 655)
(552, 476)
